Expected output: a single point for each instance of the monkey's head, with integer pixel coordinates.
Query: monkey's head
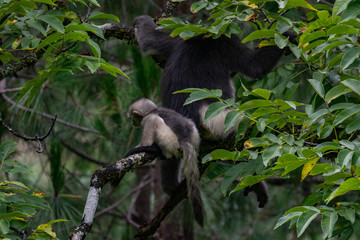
(139, 108)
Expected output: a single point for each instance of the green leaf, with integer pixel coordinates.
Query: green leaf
(270, 153)
(286, 218)
(186, 34)
(304, 221)
(249, 181)
(328, 222)
(200, 94)
(98, 15)
(53, 22)
(6, 148)
(213, 110)
(339, 6)
(344, 157)
(353, 126)
(264, 33)
(280, 41)
(311, 37)
(95, 3)
(112, 70)
(348, 214)
(255, 104)
(50, 39)
(336, 92)
(95, 29)
(15, 183)
(242, 129)
(298, 3)
(263, 111)
(326, 46)
(289, 162)
(325, 132)
(93, 66)
(353, 84)
(345, 114)
(32, 87)
(350, 184)
(231, 119)
(197, 6)
(349, 57)
(94, 48)
(352, 10)
(321, 168)
(35, 24)
(318, 87)
(76, 36)
(342, 29)
(339, 106)
(230, 176)
(50, 2)
(4, 226)
(327, 146)
(13, 215)
(316, 115)
(264, 93)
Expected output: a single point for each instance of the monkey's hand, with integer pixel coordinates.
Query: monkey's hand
(291, 35)
(144, 30)
(148, 149)
(261, 191)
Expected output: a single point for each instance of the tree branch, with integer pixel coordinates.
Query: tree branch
(99, 179)
(27, 138)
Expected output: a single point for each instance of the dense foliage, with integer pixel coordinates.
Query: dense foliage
(300, 124)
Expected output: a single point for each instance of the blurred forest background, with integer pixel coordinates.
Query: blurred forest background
(93, 130)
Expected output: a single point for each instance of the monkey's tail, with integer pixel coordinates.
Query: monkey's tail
(192, 175)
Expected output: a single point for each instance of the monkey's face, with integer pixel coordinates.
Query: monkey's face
(135, 118)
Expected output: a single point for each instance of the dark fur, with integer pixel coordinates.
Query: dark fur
(149, 149)
(201, 63)
(177, 138)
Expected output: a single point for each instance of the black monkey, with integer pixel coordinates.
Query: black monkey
(201, 62)
(177, 137)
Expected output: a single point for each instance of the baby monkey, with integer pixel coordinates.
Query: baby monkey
(177, 137)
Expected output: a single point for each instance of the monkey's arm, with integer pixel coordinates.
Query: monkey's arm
(148, 149)
(254, 63)
(151, 40)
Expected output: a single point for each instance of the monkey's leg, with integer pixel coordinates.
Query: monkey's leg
(170, 174)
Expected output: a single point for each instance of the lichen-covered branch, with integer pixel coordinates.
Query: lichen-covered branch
(32, 57)
(13, 67)
(169, 8)
(102, 176)
(119, 31)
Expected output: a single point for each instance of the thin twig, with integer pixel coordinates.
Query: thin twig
(10, 90)
(27, 138)
(21, 232)
(84, 129)
(4, 18)
(81, 154)
(88, 12)
(115, 204)
(265, 15)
